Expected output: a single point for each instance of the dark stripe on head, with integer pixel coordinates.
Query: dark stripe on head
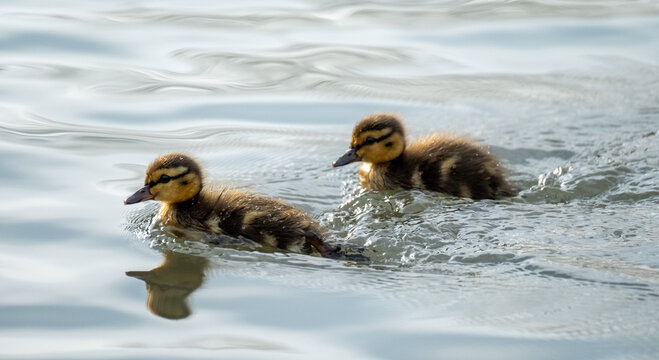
(173, 160)
(379, 122)
(373, 141)
(164, 179)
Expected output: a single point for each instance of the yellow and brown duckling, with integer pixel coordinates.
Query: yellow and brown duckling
(176, 181)
(439, 162)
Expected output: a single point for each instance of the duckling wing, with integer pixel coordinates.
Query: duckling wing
(267, 221)
(457, 166)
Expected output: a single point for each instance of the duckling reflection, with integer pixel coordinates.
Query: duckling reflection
(169, 284)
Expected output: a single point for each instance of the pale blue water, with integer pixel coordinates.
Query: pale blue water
(266, 94)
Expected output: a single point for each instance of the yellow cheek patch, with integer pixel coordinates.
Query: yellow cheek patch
(177, 190)
(380, 152)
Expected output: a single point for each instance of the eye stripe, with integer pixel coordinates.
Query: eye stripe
(165, 178)
(374, 141)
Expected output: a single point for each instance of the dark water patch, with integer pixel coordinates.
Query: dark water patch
(649, 110)
(548, 195)
(41, 41)
(62, 316)
(41, 70)
(39, 231)
(644, 285)
(594, 185)
(441, 345)
(282, 310)
(13, 170)
(489, 259)
(632, 197)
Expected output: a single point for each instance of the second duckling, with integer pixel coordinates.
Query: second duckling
(176, 180)
(448, 164)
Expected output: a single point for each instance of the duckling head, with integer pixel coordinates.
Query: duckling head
(170, 178)
(377, 138)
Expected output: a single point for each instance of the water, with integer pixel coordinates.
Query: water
(265, 94)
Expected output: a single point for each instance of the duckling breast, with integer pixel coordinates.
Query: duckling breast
(378, 176)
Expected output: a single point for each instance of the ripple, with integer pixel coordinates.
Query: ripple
(41, 70)
(25, 127)
(341, 71)
(317, 69)
(342, 13)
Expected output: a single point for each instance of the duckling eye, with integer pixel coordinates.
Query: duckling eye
(164, 179)
(369, 141)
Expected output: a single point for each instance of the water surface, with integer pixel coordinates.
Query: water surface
(265, 94)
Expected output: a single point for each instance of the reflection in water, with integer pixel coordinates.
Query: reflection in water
(170, 284)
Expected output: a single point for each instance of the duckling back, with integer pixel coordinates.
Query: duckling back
(452, 165)
(268, 222)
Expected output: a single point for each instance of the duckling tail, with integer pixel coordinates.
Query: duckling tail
(337, 252)
(349, 253)
(507, 191)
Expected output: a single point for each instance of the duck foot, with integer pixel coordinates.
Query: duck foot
(337, 252)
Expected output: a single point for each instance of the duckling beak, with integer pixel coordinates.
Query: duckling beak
(142, 275)
(347, 158)
(140, 195)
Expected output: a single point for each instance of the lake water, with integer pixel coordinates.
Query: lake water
(265, 94)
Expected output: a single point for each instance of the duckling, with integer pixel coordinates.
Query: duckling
(439, 162)
(176, 181)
